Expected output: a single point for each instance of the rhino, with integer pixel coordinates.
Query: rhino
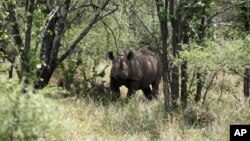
(136, 70)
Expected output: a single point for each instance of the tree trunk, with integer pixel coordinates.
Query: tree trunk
(245, 16)
(198, 87)
(30, 7)
(201, 35)
(175, 67)
(132, 17)
(45, 76)
(246, 20)
(184, 79)
(14, 31)
(55, 28)
(246, 82)
(175, 40)
(14, 26)
(175, 85)
(165, 63)
(184, 74)
(48, 37)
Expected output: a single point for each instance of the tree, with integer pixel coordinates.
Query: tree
(245, 18)
(57, 22)
(189, 20)
(207, 15)
(162, 9)
(179, 16)
(14, 30)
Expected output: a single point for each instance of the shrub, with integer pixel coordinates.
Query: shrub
(218, 56)
(26, 116)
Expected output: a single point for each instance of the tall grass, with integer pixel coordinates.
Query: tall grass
(136, 119)
(67, 119)
(139, 119)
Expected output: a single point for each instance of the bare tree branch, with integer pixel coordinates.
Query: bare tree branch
(222, 11)
(50, 17)
(84, 32)
(112, 32)
(143, 24)
(209, 86)
(107, 30)
(82, 6)
(62, 20)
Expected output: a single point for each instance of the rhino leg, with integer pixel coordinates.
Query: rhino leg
(114, 86)
(148, 93)
(132, 87)
(155, 86)
(130, 93)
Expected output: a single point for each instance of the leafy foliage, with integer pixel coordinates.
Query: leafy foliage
(24, 117)
(219, 55)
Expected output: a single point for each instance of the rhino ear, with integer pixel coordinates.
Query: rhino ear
(110, 55)
(130, 55)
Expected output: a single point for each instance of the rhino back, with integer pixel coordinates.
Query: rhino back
(145, 68)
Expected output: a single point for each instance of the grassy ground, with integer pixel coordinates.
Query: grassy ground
(140, 120)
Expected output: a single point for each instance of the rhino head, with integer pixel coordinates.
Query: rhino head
(120, 64)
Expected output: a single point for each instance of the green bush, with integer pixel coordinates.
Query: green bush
(219, 55)
(23, 117)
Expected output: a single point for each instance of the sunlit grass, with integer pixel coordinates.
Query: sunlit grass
(140, 119)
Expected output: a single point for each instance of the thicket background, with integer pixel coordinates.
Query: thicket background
(53, 58)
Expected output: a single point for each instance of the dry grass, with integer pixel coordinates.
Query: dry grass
(138, 119)
(142, 120)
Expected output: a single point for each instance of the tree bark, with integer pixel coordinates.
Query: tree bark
(14, 26)
(48, 50)
(45, 76)
(30, 7)
(201, 35)
(61, 24)
(132, 16)
(48, 36)
(15, 32)
(199, 87)
(245, 16)
(246, 82)
(246, 21)
(165, 64)
(184, 80)
(175, 22)
(184, 74)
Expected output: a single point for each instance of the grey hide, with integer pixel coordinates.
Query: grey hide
(135, 70)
